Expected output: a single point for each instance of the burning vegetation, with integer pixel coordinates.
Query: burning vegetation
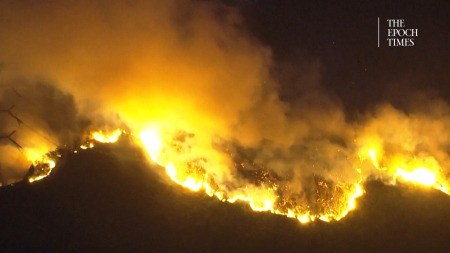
(231, 173)
(262, 188)
(228, 170)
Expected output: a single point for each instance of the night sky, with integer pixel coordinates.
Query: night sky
(342, 36)
(275, 79)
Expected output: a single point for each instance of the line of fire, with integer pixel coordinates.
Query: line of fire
(263, 189)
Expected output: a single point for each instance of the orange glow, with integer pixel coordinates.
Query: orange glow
(153, 144)
(419, 176)
(258, 199)
(373, 157)
(111, 137)
(422, 176)
(425, 171)
(47, 166)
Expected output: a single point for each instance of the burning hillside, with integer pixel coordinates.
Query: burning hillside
(110, 198)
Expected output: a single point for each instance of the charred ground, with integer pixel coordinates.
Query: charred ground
(109, 199)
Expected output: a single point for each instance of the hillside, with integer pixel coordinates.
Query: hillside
(98, 201)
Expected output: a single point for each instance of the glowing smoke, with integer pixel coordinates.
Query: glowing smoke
(41, 117)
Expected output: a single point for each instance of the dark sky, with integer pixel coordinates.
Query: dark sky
(342, 35)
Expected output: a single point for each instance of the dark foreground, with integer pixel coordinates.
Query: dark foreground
(96, 201)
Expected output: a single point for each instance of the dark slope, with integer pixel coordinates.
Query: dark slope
(97, 201)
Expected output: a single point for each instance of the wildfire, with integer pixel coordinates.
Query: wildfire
(107, 137)
(44, 168)
(418, 174)
(333, 201)
(86, 146)
(265, 198)
(153, 144)
(42, 165)
(103, 137)
(373, 156)
(423, 176)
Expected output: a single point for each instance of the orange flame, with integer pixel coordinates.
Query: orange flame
(107, 137)
(49, 164)
(258, 201)
(419, 175)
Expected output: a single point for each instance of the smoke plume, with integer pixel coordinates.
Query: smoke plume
(36, 118)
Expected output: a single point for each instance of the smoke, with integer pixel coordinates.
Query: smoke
(36, 117)
(416, 137)
(191, 65)
(188, 64)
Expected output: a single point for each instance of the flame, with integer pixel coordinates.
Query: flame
(372, 153)
(424, 171)
(45, 166)
(422, 176)
(358, 193)
(416, 172)
(103, 137)
(259, 205)
(373, 157)
(107, 137)
(86, 146)
(261, 200)
(153, 144)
